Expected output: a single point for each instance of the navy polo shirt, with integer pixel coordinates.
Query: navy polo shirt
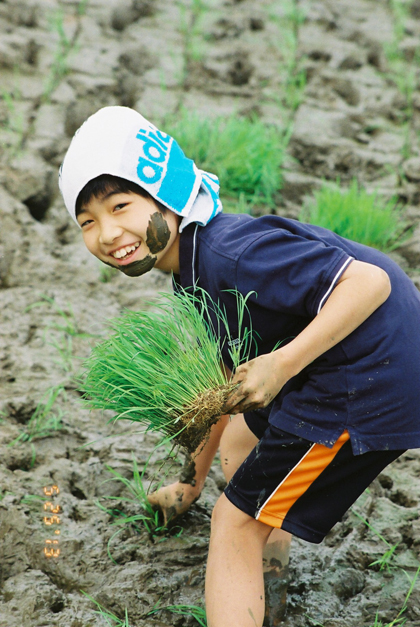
(369, 383)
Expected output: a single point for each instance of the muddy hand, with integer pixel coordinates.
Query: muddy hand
(260, 380)
(173, 500)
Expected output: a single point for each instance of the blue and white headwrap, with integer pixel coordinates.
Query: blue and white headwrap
(121, 142)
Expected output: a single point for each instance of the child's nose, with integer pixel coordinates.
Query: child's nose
(109, 232)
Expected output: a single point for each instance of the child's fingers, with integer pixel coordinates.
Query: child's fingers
(232, 401)
(240, 402)
(245, 406)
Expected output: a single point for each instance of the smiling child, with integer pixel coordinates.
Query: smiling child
(330, 395)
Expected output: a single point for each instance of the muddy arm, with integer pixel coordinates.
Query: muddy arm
(175, 499)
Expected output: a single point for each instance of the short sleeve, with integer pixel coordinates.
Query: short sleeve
(289, 272)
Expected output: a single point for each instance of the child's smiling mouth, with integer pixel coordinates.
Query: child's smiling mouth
(125, 253)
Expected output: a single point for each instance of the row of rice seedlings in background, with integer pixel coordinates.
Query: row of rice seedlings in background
(246, 154)
(289, 15)
(162, 368)
(403, 71)
(16, 124)
(65, 46)
(191, 19)
(356, 214)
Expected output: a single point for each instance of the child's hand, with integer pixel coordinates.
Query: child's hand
(173, 500)
(260, 380)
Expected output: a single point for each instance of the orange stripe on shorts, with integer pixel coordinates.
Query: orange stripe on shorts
(299, 479)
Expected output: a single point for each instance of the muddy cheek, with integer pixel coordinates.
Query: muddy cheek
(157, 233)
(137, 268)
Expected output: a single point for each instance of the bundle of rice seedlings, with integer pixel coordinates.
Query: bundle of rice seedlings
(161, 368)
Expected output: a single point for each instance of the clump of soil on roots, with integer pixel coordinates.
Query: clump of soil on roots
(200, 416)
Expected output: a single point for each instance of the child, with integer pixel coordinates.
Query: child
(317, 417)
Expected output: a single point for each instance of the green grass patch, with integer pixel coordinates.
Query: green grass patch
(357, 215)
(246, 154)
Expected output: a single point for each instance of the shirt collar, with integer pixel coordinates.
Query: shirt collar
(188, 247)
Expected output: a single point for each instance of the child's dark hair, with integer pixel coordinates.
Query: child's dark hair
(106, 183)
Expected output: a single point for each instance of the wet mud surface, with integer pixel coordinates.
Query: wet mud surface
(59, 62)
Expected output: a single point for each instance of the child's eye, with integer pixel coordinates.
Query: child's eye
(85, 223)
(120, 206)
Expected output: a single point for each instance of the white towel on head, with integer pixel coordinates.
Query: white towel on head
(121, 142)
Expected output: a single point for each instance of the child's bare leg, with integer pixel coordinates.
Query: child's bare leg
(236, 444)
(234, 580)
(276, 576)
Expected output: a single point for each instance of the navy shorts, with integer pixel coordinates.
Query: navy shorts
(300, 486)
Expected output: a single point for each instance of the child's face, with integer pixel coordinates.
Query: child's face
(129, 232)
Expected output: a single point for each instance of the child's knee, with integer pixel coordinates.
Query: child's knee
(227, 519)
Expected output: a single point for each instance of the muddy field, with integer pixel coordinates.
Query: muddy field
(355, 113)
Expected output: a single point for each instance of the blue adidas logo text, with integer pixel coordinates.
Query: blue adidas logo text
(155, 148)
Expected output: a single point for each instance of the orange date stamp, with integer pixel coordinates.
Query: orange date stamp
(52, 521)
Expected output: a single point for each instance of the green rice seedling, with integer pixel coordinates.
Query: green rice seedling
(399, 619)
(384, 562)
(151, 522)
(45, 420)
(68, 325)
(237, 205)
(59, 65)
(15, 121)
(33, 499)
(313, 622)
(148, 519)
(65, 46)
(246, 154)
(357, 215)
(82, 7)
(289, 16)
(107, 273)
(111, 619)
(403, 72)
(191, 30)
(14, 125)
(184, 610)
(162, 368)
